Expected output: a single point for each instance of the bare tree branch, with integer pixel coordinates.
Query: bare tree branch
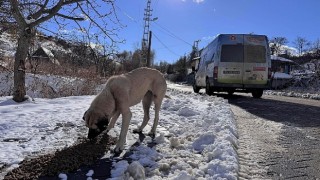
(28, 15)
(93, 21)
(16, 13)
(40, 11)
(71, 18)
(51, 13)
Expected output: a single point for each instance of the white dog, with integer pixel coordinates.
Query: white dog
(120, 93)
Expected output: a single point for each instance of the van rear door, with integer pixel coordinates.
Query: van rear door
(231, 60)
(255, 65)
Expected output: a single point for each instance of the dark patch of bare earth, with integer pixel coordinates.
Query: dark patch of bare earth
(75, 161)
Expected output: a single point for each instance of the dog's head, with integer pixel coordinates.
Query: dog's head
(96, 122)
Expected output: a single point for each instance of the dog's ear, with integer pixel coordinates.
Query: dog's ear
(84, 115)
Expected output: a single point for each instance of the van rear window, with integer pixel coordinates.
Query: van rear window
(232, 53)
(255, 54)
(240, 53)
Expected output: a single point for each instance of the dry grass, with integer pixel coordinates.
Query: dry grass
(69, 80)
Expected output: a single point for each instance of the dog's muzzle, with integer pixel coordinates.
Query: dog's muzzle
(102, 125)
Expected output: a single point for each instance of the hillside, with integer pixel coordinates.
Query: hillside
(78, 60)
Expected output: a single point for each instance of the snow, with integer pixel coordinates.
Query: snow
(196, 136)
(279, 75)
(273, 57)
(8, 45)
(90, 173)
(63, 176)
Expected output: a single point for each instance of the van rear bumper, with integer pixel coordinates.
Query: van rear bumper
(216, 85)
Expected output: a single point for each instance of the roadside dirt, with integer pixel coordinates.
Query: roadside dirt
(67, 160)
(278, 137)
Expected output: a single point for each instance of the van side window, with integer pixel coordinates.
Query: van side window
(232, 53)
(212, 57)
(205, 58)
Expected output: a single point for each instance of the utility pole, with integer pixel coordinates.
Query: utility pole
(146, 39)
(149, 50)
(196, 47)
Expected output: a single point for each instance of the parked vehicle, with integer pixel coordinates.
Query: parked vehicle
(234, 63)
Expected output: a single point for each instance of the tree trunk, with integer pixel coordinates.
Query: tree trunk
(19, 93)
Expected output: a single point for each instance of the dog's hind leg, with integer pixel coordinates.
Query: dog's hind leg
(146, 102)
(157, 106)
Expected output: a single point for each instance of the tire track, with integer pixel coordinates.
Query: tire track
(254, 143)
(279, 137)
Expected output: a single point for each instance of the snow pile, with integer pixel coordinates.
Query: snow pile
(197, 140)
(304, 84)
(196, 136)
(294, 93)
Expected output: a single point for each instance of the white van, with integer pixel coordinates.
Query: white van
(234, 63)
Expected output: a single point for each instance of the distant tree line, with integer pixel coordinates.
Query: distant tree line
(306, 50)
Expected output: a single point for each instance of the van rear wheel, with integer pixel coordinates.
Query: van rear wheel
(230, 92)
(196, 88)
(257, 93)
(209, 89)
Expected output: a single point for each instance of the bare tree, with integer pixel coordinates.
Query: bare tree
(316, 47)
(276, 43)
(54, 16)
(301, 44)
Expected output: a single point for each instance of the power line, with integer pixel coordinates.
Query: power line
(156, 5)
(165, 45)
(173, 35)
(128, 16)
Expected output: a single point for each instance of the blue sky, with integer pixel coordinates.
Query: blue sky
(181, 22)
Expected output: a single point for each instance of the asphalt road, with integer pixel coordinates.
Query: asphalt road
(279, 137)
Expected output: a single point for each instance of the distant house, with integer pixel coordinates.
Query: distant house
(281, 69)
(43, 55)
(282, 65)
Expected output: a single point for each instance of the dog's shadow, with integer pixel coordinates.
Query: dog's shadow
(136, 144)
(102, 168)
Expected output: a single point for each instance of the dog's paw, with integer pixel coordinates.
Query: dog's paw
(152, 134)
(137, 130)
(117, 151)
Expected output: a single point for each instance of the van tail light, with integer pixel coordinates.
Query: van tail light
(215, 72)
(269, 73)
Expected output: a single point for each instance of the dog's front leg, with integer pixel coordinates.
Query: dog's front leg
(146, 102)
(126, 117)
(113, 120)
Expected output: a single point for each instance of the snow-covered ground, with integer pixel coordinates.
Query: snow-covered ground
(196, 139)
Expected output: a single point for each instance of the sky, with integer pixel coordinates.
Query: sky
(181, 22)
(207, 150)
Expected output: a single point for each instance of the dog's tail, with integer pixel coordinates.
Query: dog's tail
(166, 96)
